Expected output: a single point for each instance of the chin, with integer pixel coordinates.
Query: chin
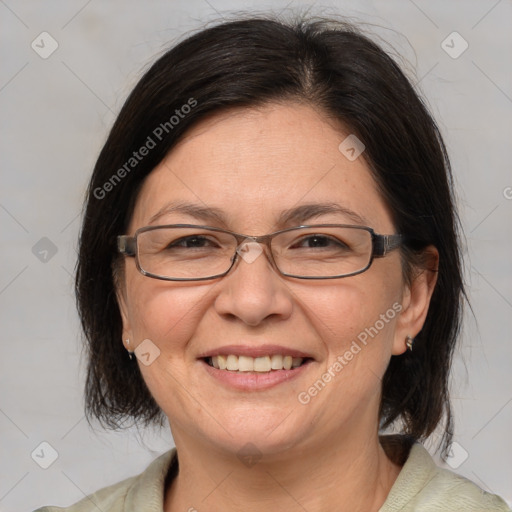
(259, 432)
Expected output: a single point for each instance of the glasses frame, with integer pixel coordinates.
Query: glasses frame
(381, 246)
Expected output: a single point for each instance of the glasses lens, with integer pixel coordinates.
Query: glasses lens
(185, 252)
(322, 251)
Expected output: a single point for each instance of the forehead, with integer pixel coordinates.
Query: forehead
(255, 163)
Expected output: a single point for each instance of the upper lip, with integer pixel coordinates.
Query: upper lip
(254, 351)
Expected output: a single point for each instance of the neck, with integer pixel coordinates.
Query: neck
(354, 475)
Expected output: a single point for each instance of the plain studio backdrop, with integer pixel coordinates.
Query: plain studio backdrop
(67, 67)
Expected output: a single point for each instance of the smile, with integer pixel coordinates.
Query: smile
(263, 364)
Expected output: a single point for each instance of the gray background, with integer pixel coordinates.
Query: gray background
(56, 113)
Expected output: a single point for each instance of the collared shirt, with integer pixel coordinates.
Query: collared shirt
(421, 486)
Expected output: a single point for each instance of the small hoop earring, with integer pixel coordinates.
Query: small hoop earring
(409, 340)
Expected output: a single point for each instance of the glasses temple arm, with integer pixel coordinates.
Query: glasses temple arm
(126, 245)
(386, 243)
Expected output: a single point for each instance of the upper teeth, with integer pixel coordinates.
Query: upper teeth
(255, 364)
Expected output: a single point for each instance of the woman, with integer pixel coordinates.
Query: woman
(269, 258)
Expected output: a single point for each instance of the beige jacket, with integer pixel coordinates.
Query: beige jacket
(421, 486)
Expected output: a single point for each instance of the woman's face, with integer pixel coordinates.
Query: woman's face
(251, 165)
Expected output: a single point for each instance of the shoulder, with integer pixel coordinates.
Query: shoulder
(142, 493)
(423, 486)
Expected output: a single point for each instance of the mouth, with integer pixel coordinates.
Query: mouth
(251, 367)
(261, 364)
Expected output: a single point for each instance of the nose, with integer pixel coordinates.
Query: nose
(253, 291)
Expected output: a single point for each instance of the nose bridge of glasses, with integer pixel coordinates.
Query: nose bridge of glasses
(251, 247)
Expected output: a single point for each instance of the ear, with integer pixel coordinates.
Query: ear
(123, 308)
(416, 300)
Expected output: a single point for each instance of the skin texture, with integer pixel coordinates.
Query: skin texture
(253, 164)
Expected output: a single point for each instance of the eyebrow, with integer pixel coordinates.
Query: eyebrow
(293, 216)
(300, 214)
(202, 213)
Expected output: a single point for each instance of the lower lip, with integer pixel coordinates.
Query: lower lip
(254, 381)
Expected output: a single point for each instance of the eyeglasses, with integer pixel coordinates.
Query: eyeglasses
(186, 252)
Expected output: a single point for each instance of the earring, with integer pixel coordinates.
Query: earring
(409, 340)
(129, 353)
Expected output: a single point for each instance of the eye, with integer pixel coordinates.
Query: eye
(319, 241)
(192, 242)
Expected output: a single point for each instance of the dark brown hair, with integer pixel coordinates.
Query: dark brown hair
(245, 63)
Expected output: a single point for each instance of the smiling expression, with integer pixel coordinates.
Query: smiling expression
(256, 171)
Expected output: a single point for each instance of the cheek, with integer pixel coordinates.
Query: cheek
(168, 315)
(165, 313)
(358, 311)
(356, 323)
